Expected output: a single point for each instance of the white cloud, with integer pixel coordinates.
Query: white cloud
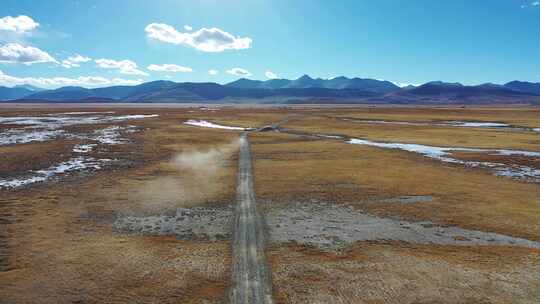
(53, 82)
(74, 61)
(239, 72)
(188, 28)
(213, 72)
(16, 53)
(123, 66)
(534, 3)
(205, 39)
(20, 25)
(169, 68)
(270, 75)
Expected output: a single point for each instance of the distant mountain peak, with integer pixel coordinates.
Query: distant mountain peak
(442, 83)
(524, 86)
(305, 77)
(29, 87)
(244, 83)
(490, 85)
(71, 88)
(161, 82)
(306, 81)
(522, 82)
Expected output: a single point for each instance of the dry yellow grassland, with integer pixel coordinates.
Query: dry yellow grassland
(290, 168)
(61, 246)
(60, 243)
(427, 135)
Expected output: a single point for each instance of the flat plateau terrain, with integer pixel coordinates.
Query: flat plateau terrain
(138, 204)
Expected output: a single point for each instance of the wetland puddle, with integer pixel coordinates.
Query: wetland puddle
(80, 163)
(451, 123)
(488, 125)
(49, 127)
(444, 154)
(476, 124)
(22, 136)
(72, 165)
(207, 124)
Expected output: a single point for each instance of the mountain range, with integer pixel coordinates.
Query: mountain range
(302, 90)
(306, 82)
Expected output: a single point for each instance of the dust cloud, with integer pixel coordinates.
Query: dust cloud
(192, 178)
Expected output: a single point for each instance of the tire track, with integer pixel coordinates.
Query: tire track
(251, 281)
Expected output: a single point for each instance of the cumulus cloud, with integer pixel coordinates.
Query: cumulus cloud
(213, 72)
(20, 25)
(205, 39)
(123, 66)
(53, 82)
(188, 28)
(16, 53)
(169, 68)
(74, 61)
(270, 75)
(535, 3)
(239, 72)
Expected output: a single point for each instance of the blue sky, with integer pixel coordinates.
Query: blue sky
(402, 41)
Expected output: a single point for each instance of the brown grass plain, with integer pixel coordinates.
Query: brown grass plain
(58, 245)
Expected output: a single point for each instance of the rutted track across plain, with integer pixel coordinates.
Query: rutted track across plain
(250, 278)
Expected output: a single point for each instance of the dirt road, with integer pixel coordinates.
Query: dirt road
(251, 281)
